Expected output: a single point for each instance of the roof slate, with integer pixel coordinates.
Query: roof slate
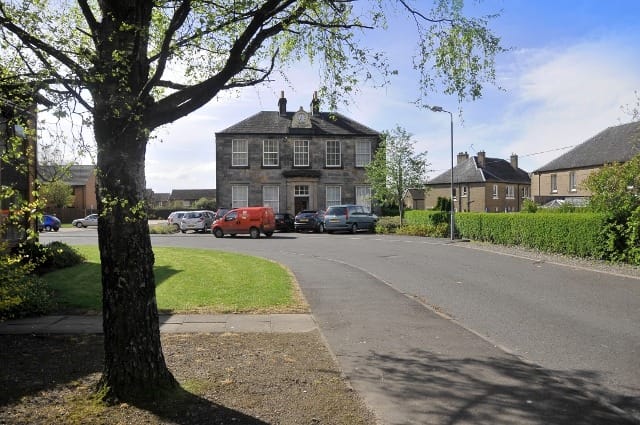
(78, 175)
(187, 194)
(494, 170)
(271, 122)
(615, 144)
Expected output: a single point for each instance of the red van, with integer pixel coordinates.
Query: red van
(249, 220)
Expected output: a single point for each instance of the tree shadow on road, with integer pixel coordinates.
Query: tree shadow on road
(491, 390)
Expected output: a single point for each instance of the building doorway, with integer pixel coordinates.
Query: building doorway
(300, 198)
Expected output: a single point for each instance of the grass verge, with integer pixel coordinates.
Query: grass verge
(189, 281)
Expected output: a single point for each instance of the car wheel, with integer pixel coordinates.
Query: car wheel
(47, 228)
(217, 232)
(354, 228)
(269, 234)
(56, 229)
(254, 232)
(321, 228)
(78, 225)
(176, 227)
(329, 231)
(183, 231)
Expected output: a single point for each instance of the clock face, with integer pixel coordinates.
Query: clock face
(301, 118)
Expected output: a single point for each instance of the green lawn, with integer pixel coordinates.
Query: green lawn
(189, 280)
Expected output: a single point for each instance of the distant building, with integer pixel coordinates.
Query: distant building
(562, 178)
(481, 184)
(81, 178)
(294, 160)
(188, 197)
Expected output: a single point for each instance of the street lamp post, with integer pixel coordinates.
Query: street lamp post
(452, 212)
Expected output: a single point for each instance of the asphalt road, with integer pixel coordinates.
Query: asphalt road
(512, 337)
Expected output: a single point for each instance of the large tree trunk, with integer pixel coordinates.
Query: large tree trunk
(134, 365)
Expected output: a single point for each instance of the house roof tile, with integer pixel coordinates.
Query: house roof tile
(494, 170)
(615, 144)
(271, 122)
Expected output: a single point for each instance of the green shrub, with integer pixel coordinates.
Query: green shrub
(439, 230)
(45, 258)
(387, 225)
(21, 292)
(162, 229)
(579, 234)
(427, 217)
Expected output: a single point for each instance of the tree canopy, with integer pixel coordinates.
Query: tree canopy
(396, 167)
(136, 65)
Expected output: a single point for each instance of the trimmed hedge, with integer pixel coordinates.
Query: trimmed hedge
(426, 217)
(579, 234)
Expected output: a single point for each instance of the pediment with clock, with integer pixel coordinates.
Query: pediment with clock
(301, 119)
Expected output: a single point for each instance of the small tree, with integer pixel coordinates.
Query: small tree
(615, 191)
(57, 193)
(396, 168)
(205, 204)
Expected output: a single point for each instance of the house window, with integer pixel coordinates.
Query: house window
(363, 153)
(525, 192)
(334, 195)
(363, 197)
(495, 191)
(511, 193)
(572, 182)
(454, 192)
(301, 153)
(270, 154)
(554, 183)
(333, 153)
(465, 191)
(239, 196)
(239, 153)
(301, 190)
(271, 197)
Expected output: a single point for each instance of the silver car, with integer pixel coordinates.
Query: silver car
(90, 220)
(198, 221)
(349, 218)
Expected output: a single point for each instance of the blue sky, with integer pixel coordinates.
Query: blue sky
(571, 67)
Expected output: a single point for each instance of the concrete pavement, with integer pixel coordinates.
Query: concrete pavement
(175, 323)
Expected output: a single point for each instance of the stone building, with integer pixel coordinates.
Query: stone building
(294, 160)
(481, 184)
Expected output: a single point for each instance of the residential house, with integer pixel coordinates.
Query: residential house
(562, 178)
(414, 199)
(188, 197)
(160, 200)
(481, 184)
(294, 160)
(81, 178)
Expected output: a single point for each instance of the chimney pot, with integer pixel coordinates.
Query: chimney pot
(462, 156)
(514, 161)
(282, 104)
(481, 158)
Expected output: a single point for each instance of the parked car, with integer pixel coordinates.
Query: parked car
(309, 220)
(198, 221)
(350, 218)
(220, 212)
(90, 220)
(49, 223)
(248, 220)
(174, 219)
(284, 222)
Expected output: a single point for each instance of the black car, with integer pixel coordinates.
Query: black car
(284, 222)
(309, 221)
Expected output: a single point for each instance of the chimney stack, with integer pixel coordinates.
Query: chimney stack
(315, 104)
(282, 104)
(514, 161)
(462, 156)
(481, 159)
